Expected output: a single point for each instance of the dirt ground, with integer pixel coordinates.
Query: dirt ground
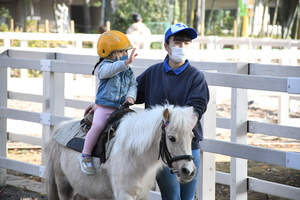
(259, 170)
(14, 193)
(262, 171)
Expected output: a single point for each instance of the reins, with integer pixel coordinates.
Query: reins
(164, 153)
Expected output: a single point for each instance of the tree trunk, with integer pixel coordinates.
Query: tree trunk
(202, 18)
(275, 17)
(87, 18)
(54, 7)
(189, 9)
(298, 24)
(208, 27)
(253, 17)
(182, 14)
(297, 31)
(292, 23)
(197, 13)
(103, 7)
(262, 34)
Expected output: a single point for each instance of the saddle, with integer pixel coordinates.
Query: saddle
(101, 148)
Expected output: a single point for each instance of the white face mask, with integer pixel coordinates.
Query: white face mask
(179, 55)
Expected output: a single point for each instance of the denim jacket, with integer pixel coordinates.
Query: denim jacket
(117, 82)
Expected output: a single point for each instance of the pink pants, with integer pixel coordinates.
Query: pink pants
(101, 114)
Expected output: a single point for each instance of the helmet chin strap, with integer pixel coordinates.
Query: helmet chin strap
(118, 57)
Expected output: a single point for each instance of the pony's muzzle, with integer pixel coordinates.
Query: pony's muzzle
(186, 173)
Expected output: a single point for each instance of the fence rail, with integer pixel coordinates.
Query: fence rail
(212, 42)
(261, 50)
(239, 77)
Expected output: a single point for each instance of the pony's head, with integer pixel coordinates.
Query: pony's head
(176, 140)
(162, 131)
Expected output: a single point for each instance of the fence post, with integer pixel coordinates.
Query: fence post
(11, 25)
(53, 100)
(267, 49)
(3, 122)
(207, 171)
(283, 109)
(239, 109)
(294, 60)
(211, 44)
(47, 30)
(24, 72)
(291, 60)
(6, 41)
(78, 44)
(69, 93)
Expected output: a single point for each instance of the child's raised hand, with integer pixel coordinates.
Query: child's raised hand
(131, 57)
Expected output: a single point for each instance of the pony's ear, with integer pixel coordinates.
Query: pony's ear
(166, 115)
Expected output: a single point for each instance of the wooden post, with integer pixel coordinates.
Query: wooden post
(207, 171)
(47, 30)
(239, 109)
(72, 31)
(47, 26)
(108, 25)
(7, 43)
(234, 32)
(24, 73)
(283, 109)
(3, 122)
(202, 34)
(11, 27)
(245, 26)
(266, 60)
(69, 92)
(72, 26)
(202, 21)
(293, 60)
(245, 31)
(53, 100)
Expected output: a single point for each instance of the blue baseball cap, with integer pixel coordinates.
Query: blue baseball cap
(180, 27)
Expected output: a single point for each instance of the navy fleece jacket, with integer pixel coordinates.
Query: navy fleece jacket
(185, 86)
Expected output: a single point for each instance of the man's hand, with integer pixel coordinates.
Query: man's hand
(89, 109)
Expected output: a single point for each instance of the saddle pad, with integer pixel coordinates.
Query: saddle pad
(69, 131)
(72, 136)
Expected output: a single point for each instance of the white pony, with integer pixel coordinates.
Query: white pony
(144, 142)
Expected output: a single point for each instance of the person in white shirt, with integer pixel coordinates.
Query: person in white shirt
(138, 28)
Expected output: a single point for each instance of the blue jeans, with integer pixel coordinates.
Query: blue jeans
(171, 189)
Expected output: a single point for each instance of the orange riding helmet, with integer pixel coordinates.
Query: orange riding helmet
(110, 41)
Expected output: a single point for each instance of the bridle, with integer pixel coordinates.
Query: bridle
(164, 152)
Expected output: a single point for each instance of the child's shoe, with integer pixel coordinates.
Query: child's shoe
(86, 164)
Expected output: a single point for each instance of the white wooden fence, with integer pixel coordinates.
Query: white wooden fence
(255, 50)
(239, 77)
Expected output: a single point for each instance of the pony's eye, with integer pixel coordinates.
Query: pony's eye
(172, 139)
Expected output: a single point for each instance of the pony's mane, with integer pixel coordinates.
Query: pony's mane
(138, 130)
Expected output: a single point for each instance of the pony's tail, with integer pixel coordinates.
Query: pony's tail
(51, 187)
